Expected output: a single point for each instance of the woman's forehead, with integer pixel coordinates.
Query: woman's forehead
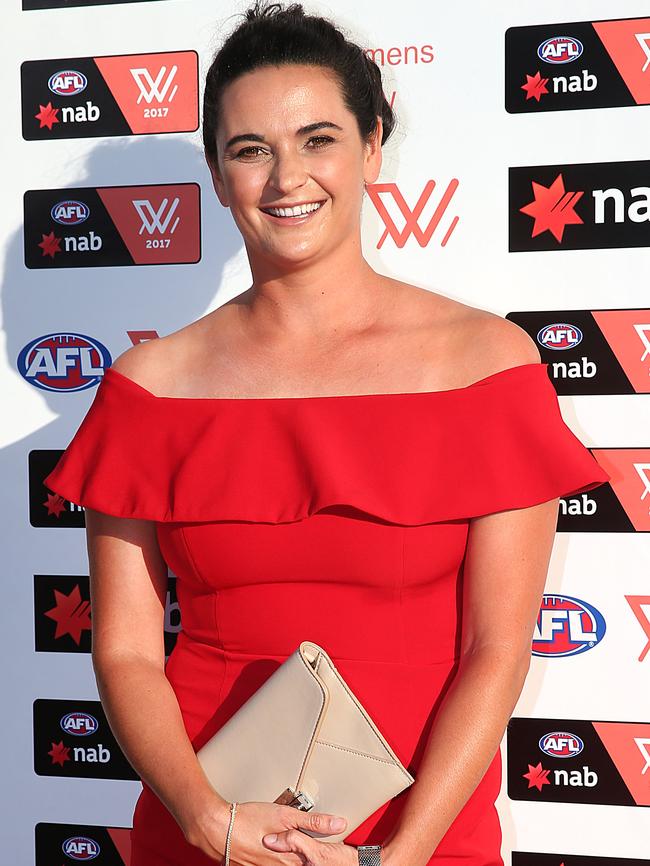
(290, 88)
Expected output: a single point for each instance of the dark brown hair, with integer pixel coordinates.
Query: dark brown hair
(271, 35)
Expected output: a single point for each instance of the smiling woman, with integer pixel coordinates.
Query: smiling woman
(271, 169)
(333, 456)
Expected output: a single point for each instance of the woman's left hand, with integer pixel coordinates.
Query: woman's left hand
(312, 851)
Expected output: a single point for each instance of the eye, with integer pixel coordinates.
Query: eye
(321, 140)
(249, 151)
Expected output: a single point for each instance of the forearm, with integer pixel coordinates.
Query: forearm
(463, 740)
(145, 718)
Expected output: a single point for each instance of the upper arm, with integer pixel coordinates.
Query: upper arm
(506, 564)
(508, 552)
(128, 585)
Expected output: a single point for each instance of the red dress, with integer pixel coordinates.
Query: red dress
(338, 519)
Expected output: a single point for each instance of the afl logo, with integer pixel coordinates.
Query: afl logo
(70, 213)
(67, 82)
(560, 49)
(566, 626)
(63, 362)
(81, 848)
(79, 724)
(559, 336)
(560, 744)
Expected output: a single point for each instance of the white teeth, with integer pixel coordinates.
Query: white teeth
(299, 210)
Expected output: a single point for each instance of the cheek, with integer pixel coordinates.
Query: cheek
(245, 186)
(343, 179)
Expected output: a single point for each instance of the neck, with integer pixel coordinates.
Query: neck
(336, 296)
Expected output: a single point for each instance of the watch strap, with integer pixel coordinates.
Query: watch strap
(369, 855)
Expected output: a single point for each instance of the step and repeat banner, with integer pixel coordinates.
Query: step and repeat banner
(518, 180)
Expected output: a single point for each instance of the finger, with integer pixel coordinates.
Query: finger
(320, 822)
(291, 840)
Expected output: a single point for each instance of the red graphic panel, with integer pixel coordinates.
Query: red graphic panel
(158, 224)
(640, 605)
(628, 44)
(155, 92)
(628, 333)
(121, 838)
(628, 745)
(629, 470)
(142, 336)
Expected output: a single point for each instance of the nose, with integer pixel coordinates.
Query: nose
(288, 172)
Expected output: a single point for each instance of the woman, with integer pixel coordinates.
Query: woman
(333, 455)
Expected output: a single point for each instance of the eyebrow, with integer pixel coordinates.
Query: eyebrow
(304, 130)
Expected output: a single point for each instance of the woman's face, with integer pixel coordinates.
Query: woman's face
(286, 139)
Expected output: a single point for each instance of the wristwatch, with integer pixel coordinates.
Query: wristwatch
(369, 855)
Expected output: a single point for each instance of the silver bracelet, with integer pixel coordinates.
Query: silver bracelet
(369, 855)
(233, 809)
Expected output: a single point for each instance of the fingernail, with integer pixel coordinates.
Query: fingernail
(338, 823)
(272, 837)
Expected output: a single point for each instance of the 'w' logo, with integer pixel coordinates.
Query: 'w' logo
(640, 605)
(152, 220)
(149, 89)
(412, 226)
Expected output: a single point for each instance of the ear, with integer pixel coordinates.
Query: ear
(217, 182)
(372, 157)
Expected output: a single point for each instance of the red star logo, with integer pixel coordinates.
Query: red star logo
(537, 776)
(59, 753)
(55, 504)
(535, 86)
(51, 245)
(47, 116)
(71, 614)
(553, 208)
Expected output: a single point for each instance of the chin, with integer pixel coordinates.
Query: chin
(293, 255)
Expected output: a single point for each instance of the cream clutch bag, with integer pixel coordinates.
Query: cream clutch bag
(303, 739)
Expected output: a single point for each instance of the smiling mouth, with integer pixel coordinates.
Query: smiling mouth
(293, 213)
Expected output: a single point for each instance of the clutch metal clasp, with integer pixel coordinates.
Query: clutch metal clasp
(298, 799)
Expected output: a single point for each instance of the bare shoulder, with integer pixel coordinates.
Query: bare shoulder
(474, 341)
(500, 342)
(143, 362)
(162, 365)
(158, 364)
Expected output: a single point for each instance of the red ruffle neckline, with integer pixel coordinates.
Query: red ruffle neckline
(406, 458)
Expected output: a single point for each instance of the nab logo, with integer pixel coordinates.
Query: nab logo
(566, 626)
(560, 49)
(63, 362)
(79, 724)
(536, 85)
(602, 205)
(412, 216)
(48, 114)
(538, 776)
(81, 848)
(70, 213)
(69, 82)
(559, 336)
(559, 744)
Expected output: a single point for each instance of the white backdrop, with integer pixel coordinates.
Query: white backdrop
(452, 124)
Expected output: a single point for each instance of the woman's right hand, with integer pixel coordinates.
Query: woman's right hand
(253, 820)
